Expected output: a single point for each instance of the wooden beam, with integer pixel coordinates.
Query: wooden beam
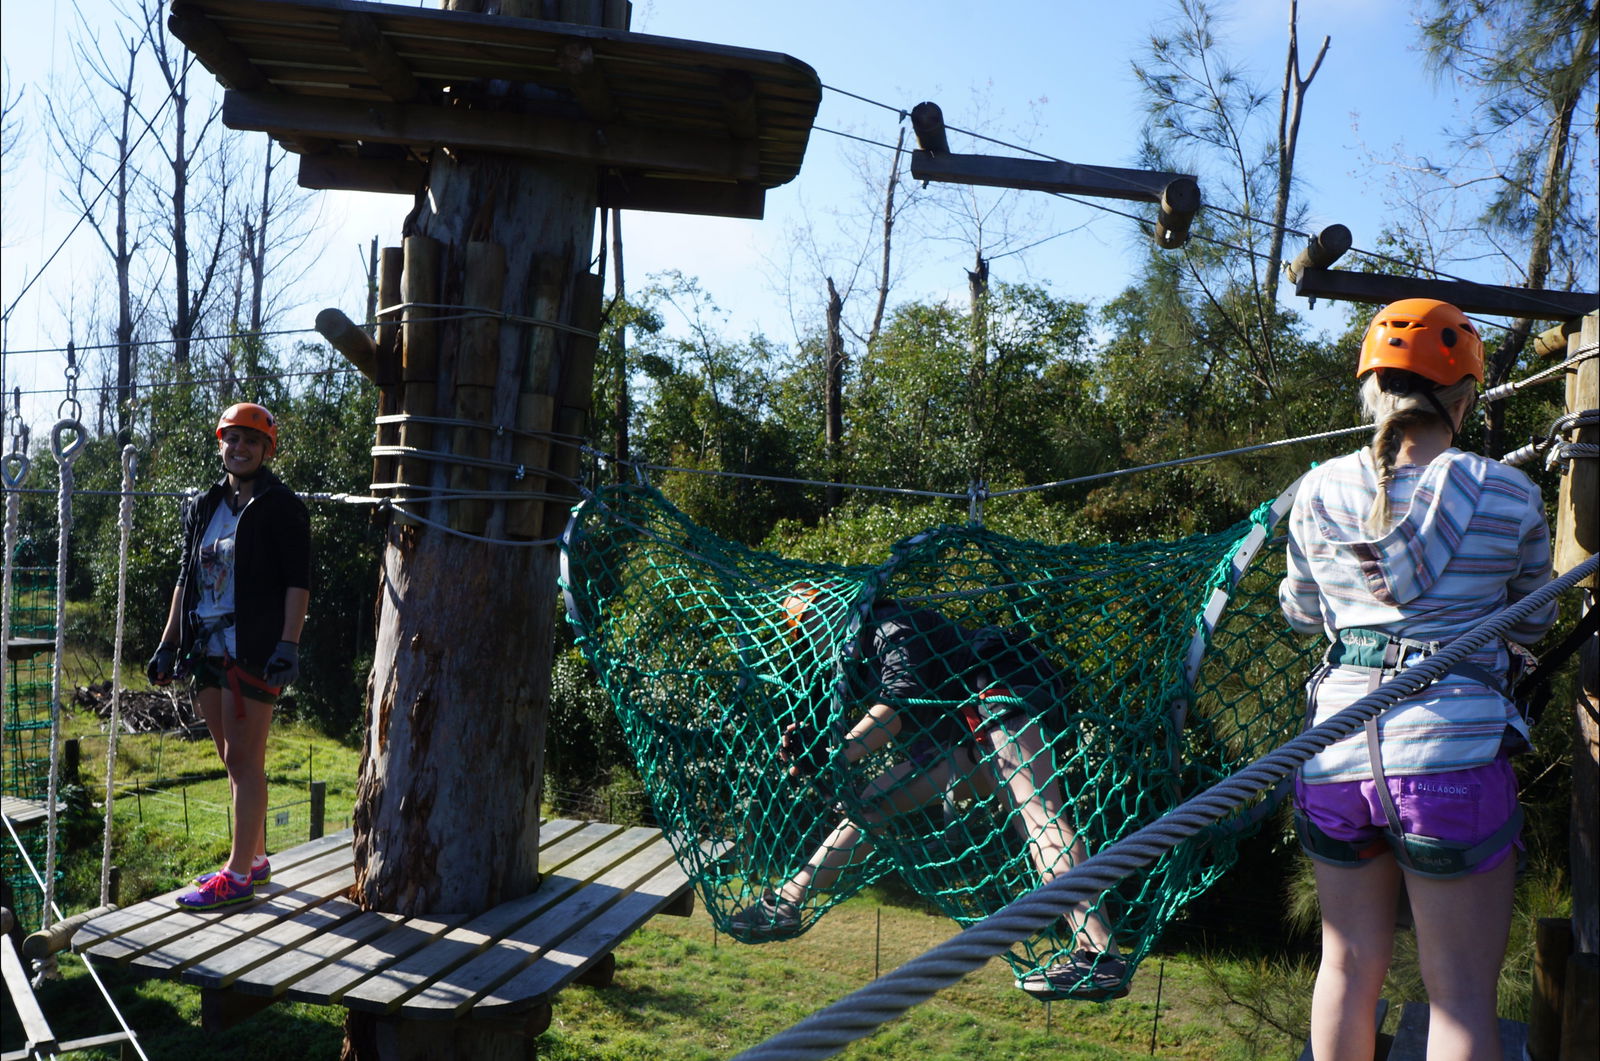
(356, 345)
(35, 1028)
(576, 60)
(222, 1007)
(739, 105)
(1489, 299)
(1321, 251)
(360, 33)
(497, 132)
(999, 171)
(664, 195)
(223, 57)
(395, 176)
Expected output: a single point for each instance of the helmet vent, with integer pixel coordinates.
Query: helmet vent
(1447, 336)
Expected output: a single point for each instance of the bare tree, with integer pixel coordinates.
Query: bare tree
(97, 132)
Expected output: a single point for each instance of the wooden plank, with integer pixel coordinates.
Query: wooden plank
(220, 967)
(635, 882)
(237, 932)
(24, 812)
(143, 944)
(274, 976)
(714, 198)
(614, 917)
(383, 993)
(396, 176)
(423, 125)
(101, 932)
(35, 1028)
(329, 983)
(1489, 299)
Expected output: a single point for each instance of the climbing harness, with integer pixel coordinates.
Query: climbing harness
(1383, 656)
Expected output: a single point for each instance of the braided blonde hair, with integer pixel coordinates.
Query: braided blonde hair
(1393, 413)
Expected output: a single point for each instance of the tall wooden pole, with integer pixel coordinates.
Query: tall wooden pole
(447, 815)
(1577, 538)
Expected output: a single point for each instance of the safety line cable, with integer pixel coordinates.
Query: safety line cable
(860, 1013)
(88, 211)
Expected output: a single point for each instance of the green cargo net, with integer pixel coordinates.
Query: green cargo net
(25, 733)
(977, 713)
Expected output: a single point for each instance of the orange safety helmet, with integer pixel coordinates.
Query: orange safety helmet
(801, 599)
(1423, 335)
(253, 416)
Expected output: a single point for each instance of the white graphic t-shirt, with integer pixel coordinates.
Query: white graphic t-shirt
(216, 580)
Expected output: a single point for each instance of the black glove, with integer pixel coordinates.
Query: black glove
(283, 666)
(162, 664)
(805, 754)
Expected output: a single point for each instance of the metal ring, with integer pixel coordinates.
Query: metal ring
(70, 450)
(13, 469)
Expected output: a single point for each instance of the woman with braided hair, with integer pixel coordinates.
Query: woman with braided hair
(1394, 551)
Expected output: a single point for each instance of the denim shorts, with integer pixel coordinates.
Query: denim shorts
(1461, 806)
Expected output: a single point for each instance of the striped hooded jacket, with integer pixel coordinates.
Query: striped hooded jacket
(1470, 537)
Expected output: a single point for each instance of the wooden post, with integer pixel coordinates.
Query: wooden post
(1576, 540)
(391, 266)
(1580, 1016)
(319, 809)
(477, 365)
(419, 354)
(1552, 946)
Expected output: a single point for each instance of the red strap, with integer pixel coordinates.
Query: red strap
(235, 674)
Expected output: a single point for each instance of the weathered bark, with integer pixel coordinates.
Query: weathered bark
(833, 395)
(447, 815)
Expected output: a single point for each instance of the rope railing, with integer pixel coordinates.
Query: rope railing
(860, 1013)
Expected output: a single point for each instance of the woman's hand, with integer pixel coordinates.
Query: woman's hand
(283, 666)
(162, 664)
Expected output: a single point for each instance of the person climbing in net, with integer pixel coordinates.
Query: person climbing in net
(964, 713)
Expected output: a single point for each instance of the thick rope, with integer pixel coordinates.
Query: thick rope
(65, 454)
(860, 1013)
(126, 525)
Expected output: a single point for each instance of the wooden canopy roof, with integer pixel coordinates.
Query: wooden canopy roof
(365, 92)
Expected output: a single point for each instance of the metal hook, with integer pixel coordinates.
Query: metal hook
(130, 462)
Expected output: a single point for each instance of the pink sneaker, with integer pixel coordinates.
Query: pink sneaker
(218, 891)
(261, 874)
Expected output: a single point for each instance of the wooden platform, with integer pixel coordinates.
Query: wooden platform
(365, 92)
(19, 648)
(305, 940)
(24, 813)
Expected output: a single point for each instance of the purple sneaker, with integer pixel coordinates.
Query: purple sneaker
(218, 891)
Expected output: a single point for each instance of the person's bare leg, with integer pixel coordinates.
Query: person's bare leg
(1358, 905)
(1462, 926)
(1025, 765)
(245, 756)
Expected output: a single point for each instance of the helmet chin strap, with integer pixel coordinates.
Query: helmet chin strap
(1438, 407)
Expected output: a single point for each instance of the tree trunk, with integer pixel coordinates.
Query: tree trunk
(888, 233)
(447, 815)
(124, 261)
(833, 396)
(619, 382)
(1291, 104)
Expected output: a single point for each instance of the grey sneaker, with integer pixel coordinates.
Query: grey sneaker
(1086, 975)
(767, 916)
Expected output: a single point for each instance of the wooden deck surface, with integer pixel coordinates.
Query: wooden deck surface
(303, 939)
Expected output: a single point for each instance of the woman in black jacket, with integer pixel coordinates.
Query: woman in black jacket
(235, 621)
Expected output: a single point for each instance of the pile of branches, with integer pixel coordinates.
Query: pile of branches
(141, 711)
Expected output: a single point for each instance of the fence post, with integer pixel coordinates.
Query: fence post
(319, 804)
(185, 791)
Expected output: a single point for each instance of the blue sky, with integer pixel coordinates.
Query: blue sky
(1060, 68)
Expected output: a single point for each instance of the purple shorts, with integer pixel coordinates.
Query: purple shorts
(1460, 806)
